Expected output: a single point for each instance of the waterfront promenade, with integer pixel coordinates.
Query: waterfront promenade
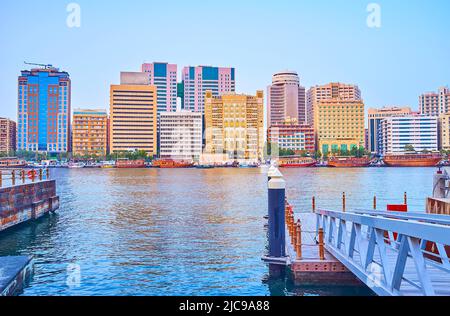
(184, 231)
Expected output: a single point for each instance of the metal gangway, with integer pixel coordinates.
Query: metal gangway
(395, 254)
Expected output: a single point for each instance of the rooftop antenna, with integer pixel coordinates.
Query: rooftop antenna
(48, 66)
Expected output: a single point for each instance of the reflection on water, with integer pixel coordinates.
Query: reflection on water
(184, 232)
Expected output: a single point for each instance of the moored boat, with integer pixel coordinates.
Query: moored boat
(107, 164)
(205, 167)
(130, 164)
(412, 160)
(297, 162)
(172, 164)
(348, 162)
(78, 165)
(12, 162)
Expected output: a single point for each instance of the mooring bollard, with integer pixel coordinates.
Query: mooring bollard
(343, 202)
(314, 204)
(321, 245)
(298, 245)
(375, 203)
(277, 223)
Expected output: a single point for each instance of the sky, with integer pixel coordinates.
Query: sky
(323, 40)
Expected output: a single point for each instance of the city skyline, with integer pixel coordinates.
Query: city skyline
(396, 52)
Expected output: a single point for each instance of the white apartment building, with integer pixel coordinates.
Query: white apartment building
(180, 135)
(419, 131)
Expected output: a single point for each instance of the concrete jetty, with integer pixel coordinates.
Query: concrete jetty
(15, 274)
(28, 196)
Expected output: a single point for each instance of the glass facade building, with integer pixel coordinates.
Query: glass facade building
(44, 107)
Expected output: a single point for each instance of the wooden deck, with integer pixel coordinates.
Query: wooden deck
(310, 269)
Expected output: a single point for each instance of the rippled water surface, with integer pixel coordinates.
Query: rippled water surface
(185, 232)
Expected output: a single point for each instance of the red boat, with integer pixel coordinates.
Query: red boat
(297, 162)
(130, 164)
(348, 162)
(171, 164)
(412, 160)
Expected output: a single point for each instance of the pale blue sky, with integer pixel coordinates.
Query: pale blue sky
(323, 40)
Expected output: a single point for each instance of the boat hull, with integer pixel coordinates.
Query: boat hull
(298, 165)
(349, 163)
(129, 164)
(427, 162)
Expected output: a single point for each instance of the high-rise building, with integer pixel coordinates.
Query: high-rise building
(293, 136)
(7, 135)
(286, 99)
(198, 80)
(133, 114)
(344, 92)
(180, 136)
(89, 132)
(44, 102)
(339, 125)
(418, 131)
(164, 77)
(375, 118)
(435, 104)
(444, 131)
(234, 125)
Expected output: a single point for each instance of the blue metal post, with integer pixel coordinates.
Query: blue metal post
(277, 230)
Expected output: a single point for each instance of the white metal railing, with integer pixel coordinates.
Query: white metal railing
(392, 253)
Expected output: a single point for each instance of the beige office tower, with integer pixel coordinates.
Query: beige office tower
(133, 115)
(89, 133)
(344, 92)
(234, 125)
(444, 131)
(339, 125)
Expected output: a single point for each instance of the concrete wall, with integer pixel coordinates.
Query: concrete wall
(26, 202)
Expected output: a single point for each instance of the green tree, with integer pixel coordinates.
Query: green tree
(410, 147)
(318, 154)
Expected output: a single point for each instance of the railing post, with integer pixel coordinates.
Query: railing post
(13, 177)
(48, 173)
(343, 202)
(298, 246)
(405, 197)
(22, 174)
(321, 245)
(314, 204)
(1, 179)
(375, 203)
(277, 223)
(40, 174)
